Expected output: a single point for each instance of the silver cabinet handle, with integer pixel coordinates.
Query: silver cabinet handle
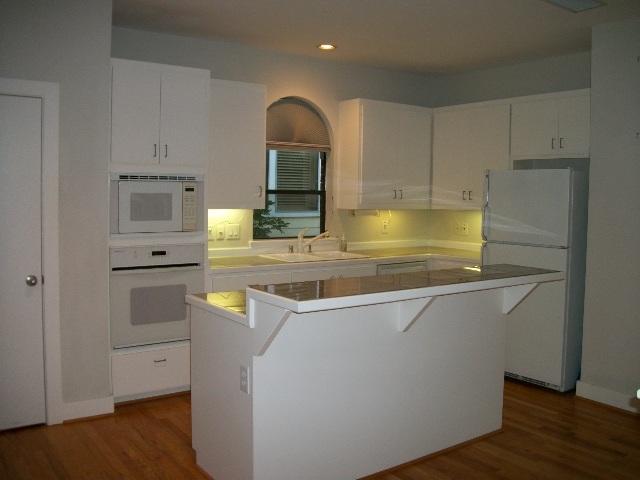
(395, 193)
(155, 150)
(260, 191)
(401, 194)
(560, 142)
(553, 143)
(163, 360)
(31, 280)
(470, 194)
(464, 194)
(166, 150)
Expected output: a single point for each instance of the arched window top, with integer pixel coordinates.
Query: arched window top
(294, 124)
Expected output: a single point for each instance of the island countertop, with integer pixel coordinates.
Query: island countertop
(349, 292)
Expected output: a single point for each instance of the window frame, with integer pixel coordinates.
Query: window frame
(322, 192)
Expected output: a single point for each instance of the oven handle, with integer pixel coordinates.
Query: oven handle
(156, 267)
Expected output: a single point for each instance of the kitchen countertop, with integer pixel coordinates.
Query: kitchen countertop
(228, 263)
(348, 292)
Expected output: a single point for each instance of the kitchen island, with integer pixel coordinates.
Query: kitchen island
(339, 379)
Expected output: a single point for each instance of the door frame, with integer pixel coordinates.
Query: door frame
(49, 93)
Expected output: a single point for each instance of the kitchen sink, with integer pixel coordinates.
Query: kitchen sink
(313, 257)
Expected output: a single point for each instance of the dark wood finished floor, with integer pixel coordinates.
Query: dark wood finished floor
(546, 435)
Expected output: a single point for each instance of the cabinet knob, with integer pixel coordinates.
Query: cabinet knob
(395, 193)
(155, 150)
(260, 191)
(166, 150)
(560, 142)
(401, 194)
(553, 143)
(464, 194)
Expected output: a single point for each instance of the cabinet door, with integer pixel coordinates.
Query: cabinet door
(413, 157)
(466, 143)
(573, 126)
(333, 272)
(184, 117)
(135, 113)
(237, 168)
(487, 148)
(381, 130)
(534, 128)
(240, 281)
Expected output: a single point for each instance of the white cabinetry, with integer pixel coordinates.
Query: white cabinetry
(159, 116)
(384, 155)
(240, 281)
(333, 272)
(467, 140)
(145, 371)
(237, 169)
(555, 126)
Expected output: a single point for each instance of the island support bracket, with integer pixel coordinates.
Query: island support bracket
(274, 333)
(513, 296)
(409, 311)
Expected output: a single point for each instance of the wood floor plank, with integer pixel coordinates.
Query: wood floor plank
(546, 435)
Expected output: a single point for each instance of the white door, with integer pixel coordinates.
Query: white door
(536, 329)
(573, 126)
(22, 396)
(529, 207)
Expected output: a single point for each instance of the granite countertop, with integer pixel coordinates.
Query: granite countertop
(376, 253)
(345, 292)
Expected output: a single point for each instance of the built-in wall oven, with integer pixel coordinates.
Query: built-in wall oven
(147, 289)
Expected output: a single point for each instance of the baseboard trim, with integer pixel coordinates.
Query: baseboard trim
(612, 398)
(87, 408)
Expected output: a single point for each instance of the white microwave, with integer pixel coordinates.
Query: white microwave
(156, 203)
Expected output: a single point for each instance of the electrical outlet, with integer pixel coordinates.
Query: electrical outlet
(464, 229)
(244, 379)
(385, 226)
(232, 231)
(219, 231)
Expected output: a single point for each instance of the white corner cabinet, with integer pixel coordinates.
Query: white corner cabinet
(467, 140)
(384, 155)
(237, 167)
(551, 126)
(159, 116)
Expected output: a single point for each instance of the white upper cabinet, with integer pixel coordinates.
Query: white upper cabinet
(555, 126)
(467, 141)
(384, 155)
(237, 169)
(159, 115)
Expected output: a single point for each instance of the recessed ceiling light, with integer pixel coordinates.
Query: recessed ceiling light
(326, 46)
(577, 6)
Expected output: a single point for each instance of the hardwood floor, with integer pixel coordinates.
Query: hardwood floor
(545, 435)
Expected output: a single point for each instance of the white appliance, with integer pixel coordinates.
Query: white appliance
(155, 203)
(538, 218)
(147, 288)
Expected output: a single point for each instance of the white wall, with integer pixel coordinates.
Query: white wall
(553, 74)
(68, 42)
(611, 342)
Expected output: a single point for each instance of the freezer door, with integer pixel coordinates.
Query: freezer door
(536, 328)
(529, 207)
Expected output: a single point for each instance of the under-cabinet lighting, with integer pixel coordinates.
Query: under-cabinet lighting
(326, 46)
(474, 269)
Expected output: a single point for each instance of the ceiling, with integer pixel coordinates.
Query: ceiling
(422, 36)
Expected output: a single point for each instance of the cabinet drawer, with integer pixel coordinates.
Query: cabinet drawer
(148, 370)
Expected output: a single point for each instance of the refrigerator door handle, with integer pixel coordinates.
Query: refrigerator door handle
(485, 207)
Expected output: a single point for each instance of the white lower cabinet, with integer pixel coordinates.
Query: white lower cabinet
(139, 372)
(333, 272)
(435, 263)
(240, 281)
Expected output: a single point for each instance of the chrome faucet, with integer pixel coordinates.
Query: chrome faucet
(317, 237)
(301, 240)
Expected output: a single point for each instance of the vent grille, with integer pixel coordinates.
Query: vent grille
(532, 380)
(158, 178)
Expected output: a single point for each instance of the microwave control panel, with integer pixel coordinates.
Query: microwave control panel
(189, 206)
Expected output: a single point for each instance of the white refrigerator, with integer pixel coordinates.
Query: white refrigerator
(538, 218)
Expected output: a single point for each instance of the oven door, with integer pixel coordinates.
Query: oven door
(147, 306)
(149, 207)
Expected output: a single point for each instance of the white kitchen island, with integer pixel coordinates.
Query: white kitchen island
(348, 377)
